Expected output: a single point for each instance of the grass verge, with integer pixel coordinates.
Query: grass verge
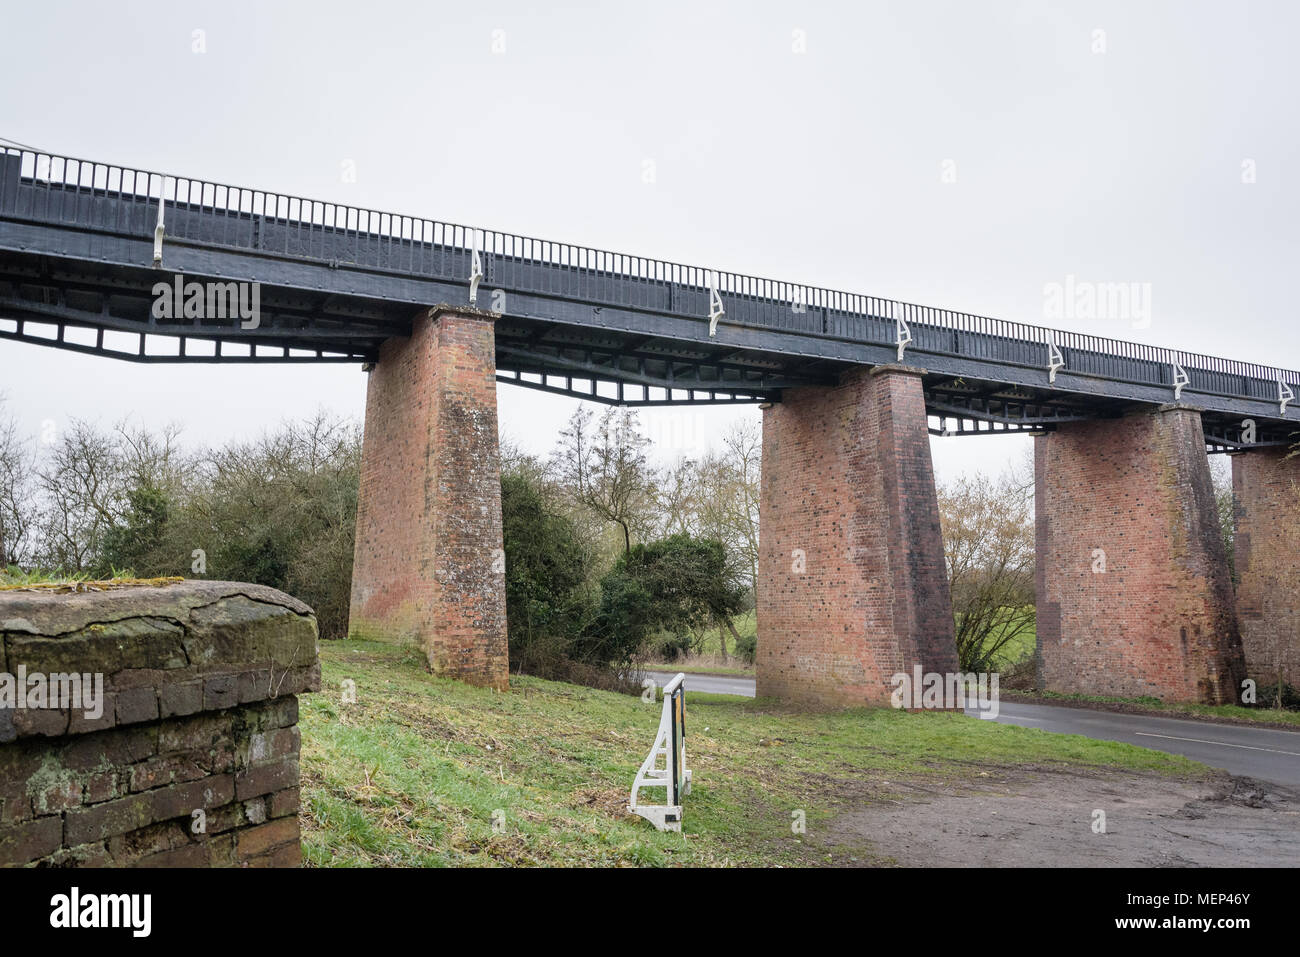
(1228, 713)
(419, 770)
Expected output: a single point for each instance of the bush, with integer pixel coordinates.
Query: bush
(747, 648)
(1021, 675)
(672, 585)
(667, 646)
(134, 543)
(1266, 694)
(280, 511)
(548, 605)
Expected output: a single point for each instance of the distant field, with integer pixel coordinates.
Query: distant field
(1018, 648)
(711, 661)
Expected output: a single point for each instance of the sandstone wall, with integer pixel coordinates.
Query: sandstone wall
(194, 758)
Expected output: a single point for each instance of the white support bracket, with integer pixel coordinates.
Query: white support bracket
(716, 310)
(1180, 379)
(1284, 395)
(1055, 361)
(475, 270)
(902, 335)
(158, 229)
(670, 744)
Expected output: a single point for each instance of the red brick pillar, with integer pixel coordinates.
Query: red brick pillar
(1134, 594)
(852, 582)
(1266, 492)
(429, 565)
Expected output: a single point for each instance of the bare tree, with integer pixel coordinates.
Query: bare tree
(606, 470)
(151, 459)
(17, 516)
(727, 495)
(723, 500)
(678, 499)
(988, 534)
(1221, 477)
(83, 494)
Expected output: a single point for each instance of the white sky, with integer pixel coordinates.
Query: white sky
(824, 167)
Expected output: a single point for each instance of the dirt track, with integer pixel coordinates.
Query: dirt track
(1047, 820)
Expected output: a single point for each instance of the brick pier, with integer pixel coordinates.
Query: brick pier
(1134, 595)
(852, 582)
(1266, 493)
(429, 564)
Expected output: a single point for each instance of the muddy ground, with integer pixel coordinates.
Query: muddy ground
(1046, 818)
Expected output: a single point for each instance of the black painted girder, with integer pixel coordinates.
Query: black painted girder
(67, 224)
(283, 353)
(712, 397)
(510, 357)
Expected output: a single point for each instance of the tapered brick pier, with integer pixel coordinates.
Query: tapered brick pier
(852, 582)
(1266, 495)
(429, 565)
(1134, 593)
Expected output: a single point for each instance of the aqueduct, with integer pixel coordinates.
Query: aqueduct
(852, 577)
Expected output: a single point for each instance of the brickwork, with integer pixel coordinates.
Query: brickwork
(429, 563)
(1266, 494)
(852, 581)
(1133, 496)
(193, 761)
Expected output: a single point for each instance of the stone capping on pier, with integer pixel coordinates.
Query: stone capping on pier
(191, 757)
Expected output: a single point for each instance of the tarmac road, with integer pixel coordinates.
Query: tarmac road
(1263, 753)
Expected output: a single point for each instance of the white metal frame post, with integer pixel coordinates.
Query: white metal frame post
(673, 777)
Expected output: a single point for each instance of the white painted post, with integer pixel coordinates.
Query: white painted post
(673, 777)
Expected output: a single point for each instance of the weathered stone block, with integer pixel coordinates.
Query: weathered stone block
(136, 704)
(284, 802)
(30, 840)
(265, 837)
(199, 683)
(220, 692)
(265, 778)
(180, 698)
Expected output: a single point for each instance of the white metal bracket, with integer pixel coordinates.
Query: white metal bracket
(903, 335)
(716, 310)
(158, 229)
(670, 744)
(1055, 360)
(475, 271)
(1284, 395)
(1180, 379)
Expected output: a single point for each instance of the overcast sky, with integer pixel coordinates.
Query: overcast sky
(958, 154)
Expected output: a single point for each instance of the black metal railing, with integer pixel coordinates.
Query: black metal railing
(47, 188)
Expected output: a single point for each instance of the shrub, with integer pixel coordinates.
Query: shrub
(747, 647)
(548, 605)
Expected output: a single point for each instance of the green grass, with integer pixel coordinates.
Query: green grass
(709, 660)
(1260, 714)
(1022, 647)
(14, 577)
(413, 772)
(746, 623)
(1017, 648)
